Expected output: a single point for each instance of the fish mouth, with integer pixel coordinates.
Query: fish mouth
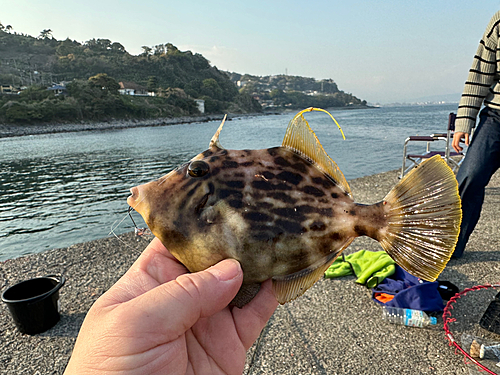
(134, 201)
(137, 200)
(133, 198)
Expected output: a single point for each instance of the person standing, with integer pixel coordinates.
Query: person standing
(483, 155)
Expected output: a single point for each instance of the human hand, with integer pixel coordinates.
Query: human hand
(457, 138)
(159, 319)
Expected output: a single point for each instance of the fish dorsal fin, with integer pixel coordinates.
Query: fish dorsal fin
(214, 142)
(287, 288)
(300, 138)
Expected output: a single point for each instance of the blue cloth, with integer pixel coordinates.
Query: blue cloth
(481, 161)
(410, 292)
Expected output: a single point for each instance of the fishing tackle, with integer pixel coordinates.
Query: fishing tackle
(138, 231)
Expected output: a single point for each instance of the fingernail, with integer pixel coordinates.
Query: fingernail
(226, 270)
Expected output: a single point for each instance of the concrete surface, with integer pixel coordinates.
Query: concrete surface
(335, 328)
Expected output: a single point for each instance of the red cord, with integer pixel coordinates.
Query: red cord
(448, 319)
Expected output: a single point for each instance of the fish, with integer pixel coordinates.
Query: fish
(286, 212)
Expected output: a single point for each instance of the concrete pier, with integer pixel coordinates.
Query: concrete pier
(335, 328)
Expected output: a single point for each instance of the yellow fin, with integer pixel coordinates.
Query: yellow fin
(214, 142)
(424, 215)
(287, 288)
(300, 138)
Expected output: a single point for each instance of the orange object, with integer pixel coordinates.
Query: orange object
(383, 297)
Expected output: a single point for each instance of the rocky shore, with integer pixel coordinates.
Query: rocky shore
(335, 328)
(15, 130)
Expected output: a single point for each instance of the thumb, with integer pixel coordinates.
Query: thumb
(466, 139)
(182, 302)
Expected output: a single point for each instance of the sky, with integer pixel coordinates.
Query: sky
(382, 51)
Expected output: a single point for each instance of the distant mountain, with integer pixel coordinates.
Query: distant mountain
(296, 92)
(443, 98)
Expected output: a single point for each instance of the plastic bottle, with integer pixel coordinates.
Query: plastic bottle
(407, 317)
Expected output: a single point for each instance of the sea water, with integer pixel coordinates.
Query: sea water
(60, 189)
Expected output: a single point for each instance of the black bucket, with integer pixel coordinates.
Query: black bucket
(34, 303)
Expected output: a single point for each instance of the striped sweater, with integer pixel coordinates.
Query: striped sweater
(483, 83)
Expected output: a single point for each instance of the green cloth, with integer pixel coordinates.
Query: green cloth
(370, 267)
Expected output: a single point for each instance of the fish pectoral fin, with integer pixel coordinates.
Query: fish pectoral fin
(287, 288)
(300, 138)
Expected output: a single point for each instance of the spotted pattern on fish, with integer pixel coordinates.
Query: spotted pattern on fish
(286, 212)
(257, 205)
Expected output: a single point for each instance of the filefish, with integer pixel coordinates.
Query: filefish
(285, 213)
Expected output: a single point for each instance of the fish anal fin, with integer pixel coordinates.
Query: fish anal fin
(289, 287)
(300, 138)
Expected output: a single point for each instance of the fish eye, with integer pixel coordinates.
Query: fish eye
(198, 168)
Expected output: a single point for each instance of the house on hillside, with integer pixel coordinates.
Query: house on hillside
(58, 89)
(131, 88)
(200, 103)
(8, 90)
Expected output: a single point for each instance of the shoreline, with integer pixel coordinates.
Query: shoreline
(20, 130)
(13, 130)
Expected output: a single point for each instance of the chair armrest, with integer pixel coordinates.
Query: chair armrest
(439, 135)
(420, 138)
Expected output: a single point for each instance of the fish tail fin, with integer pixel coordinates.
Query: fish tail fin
(424, 213)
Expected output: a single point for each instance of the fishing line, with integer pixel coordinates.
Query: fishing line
(142, 231)
(310, 109)
(138, 231)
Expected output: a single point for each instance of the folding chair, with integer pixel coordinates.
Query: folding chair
(453, 158)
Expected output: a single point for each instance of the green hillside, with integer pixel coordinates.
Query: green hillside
(91, 73)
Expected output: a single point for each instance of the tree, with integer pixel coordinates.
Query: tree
(117, 47)
(8, 28)
(45, 34)
(104, 82)
(104, 44)
(152, 83)
(67, 47)
(91, 44)
(159, 50)
(146, 51)
(211, 88)
(171, 49)
(2, 27)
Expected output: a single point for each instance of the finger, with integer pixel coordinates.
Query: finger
(467, 139)
(179, 304)
(155, 266)
(159, 263)
(253, 317)
(456, 147)
(456, 142)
